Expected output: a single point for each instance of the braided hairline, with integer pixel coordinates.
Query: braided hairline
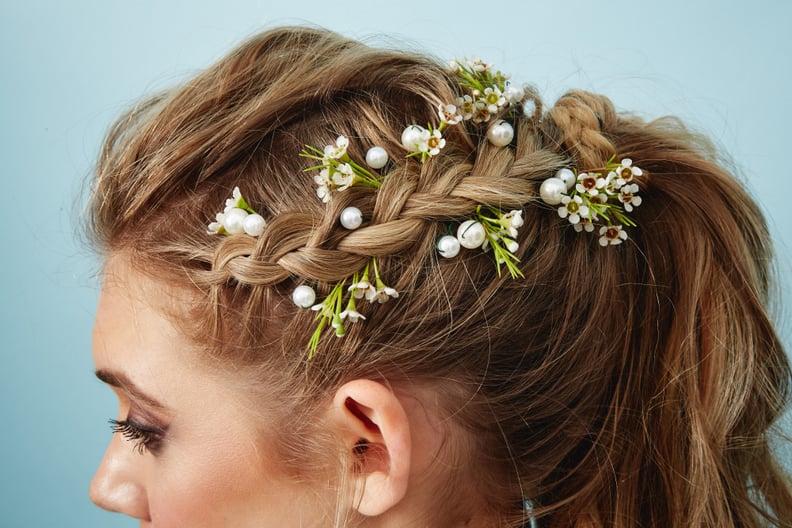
(574, 126)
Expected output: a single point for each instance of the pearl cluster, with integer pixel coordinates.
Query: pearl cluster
(553, 189)
(238, 221)
(237, 218)
(473, 233)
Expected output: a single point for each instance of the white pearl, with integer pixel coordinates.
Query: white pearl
(566, 176)
(448, 246)
(351, 218)
(304, 296)
(376, 157)
(551, 191)
(254, 224)
(234, 221)
(411, 137)
(501, 133)
(471, 234)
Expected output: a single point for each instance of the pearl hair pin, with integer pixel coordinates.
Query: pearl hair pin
(471, 234)
(304, 296)
(501, 133)
(448, 246)
(351, 218)
(376, 157)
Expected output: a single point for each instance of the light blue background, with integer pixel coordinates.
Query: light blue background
(70, 67)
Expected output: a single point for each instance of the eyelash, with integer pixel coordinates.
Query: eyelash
(145, 438)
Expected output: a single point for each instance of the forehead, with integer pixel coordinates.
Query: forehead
(133, 310)
(135, 334)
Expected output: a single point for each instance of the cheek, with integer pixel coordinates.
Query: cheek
(225, 483)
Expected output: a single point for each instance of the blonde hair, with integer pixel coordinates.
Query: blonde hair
(637, 385)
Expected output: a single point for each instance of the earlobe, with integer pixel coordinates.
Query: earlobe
(375, 430)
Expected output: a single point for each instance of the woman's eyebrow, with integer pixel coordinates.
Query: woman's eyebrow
(121, 381)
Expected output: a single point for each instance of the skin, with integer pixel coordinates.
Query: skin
(209, 461)
(211, 467)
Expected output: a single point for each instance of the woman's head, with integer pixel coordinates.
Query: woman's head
(632, 383)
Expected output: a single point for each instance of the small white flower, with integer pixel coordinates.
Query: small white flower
(343, 176)
(434, 142)
(573, 208)
(626, 171)
(589, 183)
(383, 295)
(494, 99)
(612, 184)
(234, 200)
(324, 184)
(466, 106)
(323, 178)
(479, 65)
(612, 235)
(511, 245)
(516, 216)
(481, 113)
(511, 221)
(352, 315)
(448, 114)
(214, 228)
(363, 289)
(323, 192)
(337, 151)
(584, 224)
(628, 198)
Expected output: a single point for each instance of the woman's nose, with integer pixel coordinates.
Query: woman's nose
(117, 485)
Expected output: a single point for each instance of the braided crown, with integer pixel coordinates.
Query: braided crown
(392, 211)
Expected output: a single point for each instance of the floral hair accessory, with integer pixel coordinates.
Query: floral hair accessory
(424, 142)
(589, 198)
(334, 311)
(237, 218)
(337, 172)
(489, 92)
(488, 229)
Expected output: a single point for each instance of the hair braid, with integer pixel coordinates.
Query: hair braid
(578, 126)
(412, 195)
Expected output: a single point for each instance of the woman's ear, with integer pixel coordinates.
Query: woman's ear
(375, 431)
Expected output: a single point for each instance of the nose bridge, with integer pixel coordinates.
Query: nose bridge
(118, 484)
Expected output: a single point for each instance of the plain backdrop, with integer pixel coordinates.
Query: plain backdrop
(70, 67)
